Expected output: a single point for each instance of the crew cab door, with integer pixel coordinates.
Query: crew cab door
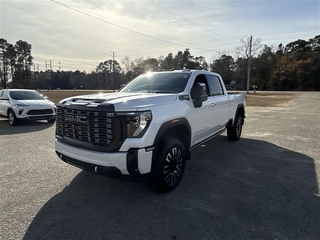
(219, 103)
(200, 118)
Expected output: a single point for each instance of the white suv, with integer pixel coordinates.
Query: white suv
(25, 104)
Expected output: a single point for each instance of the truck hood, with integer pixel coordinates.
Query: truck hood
(122, 101)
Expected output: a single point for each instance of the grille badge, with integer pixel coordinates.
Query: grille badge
(75, 118)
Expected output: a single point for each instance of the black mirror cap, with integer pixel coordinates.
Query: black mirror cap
(200, 95)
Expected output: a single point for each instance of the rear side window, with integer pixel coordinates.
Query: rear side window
(215, 85)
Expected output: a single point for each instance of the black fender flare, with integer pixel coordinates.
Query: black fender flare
(178, 124)
(239, 108)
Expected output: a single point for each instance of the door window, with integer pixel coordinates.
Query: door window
(215, 86)
(201, 78)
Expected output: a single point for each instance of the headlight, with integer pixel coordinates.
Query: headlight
(21, 105)
(136, 122)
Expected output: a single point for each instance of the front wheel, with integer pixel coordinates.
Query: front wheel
(12, 118)
(234, 132)
(168, 165)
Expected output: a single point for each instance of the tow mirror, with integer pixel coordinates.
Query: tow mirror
(200, 95)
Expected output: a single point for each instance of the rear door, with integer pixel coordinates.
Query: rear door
(219, 102)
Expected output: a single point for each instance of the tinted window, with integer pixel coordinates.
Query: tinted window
(214, 85)
(161, 82)
(201, 78)
(25, 95)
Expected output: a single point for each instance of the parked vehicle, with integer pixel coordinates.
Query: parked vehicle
(25, 104)
(149, 127)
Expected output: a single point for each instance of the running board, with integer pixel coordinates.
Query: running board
(208, 139)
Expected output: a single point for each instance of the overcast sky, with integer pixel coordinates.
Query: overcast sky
(82, 33)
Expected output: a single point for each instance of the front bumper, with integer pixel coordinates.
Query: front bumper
(35, 114)
(135, 162)
(42, 117)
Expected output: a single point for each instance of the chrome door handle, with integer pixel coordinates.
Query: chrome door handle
(212, 104)
(227, 101)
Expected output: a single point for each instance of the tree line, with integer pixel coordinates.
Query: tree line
(295, 66)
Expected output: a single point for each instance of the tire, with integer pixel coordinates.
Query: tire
(234, 132)
(12, 118)
(168, 165)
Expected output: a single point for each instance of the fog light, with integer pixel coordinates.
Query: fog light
(20, 111)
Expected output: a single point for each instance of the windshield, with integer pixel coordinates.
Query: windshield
(158, 82)
(25, 95)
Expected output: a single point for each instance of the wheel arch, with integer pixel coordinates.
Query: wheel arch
(10, 109)
(241, 111)
(179, 128)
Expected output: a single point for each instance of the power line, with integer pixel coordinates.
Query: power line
(183, 25)
(113, 24)
(143, 34)
(185, 18)
(200, 45)
(212, 43)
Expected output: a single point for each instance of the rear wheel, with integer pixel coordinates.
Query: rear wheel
(234, 132)
(168, 166)
(12, 118)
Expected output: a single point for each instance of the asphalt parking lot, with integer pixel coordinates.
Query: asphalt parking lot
(265, 186)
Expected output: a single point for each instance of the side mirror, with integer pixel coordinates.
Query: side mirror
(200, 95)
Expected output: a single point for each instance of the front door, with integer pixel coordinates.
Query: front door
(200, 118)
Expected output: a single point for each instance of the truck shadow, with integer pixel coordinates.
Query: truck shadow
(248, 189)
(23, 127)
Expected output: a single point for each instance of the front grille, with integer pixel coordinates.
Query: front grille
(88, 128)
(40, 111)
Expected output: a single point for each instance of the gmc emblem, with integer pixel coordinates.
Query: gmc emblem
(76, 119)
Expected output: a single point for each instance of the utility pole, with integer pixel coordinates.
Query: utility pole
(51, 76)
(249, 65)
(113, 68)
(38, 77)
(107, 73)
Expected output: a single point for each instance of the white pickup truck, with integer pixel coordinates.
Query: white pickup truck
(149, 127)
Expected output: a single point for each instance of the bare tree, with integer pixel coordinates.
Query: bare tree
(126, 64)
(244, 50)
(248, 50)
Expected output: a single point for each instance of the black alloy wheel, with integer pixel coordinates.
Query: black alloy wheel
(12, 118)
(234, 132)
(168, 165)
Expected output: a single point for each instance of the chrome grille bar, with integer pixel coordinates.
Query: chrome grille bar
(90, 126)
